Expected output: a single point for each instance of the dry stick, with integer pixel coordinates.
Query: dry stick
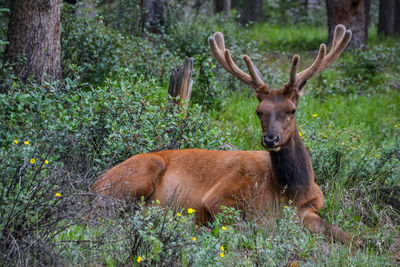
(180, 83)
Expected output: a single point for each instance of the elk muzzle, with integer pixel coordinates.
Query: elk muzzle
(269, 141)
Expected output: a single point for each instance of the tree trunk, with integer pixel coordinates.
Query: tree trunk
(386, 17)
(397, 18)
(153, 12)
(227, 7)
(251, 10)
(222, 5)
(218, 6)
(34, 44)
(354, 14)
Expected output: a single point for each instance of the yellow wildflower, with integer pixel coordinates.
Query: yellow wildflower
(315, 115)
(325, 136)
(330, 125)
(178, 214)
(139, 259)
(58, 194)
(26, 142)
(16, 141)
(222, 248)
(395, 126)
(300, 134)
(46, 162)
(194, 238)
(376, 155)
(33, 160)
(222, 254)
(190, 211)
(223, 228)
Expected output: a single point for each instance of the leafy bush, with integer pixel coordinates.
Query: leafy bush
(91, 51)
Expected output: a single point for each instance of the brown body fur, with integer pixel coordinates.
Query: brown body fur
(205, 180)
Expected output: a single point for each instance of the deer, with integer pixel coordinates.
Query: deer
(209, 179)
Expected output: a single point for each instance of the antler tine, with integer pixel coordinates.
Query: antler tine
(236, 71)
(340, 40)
(217, 46)
(293, 70)
(254, 74)
(223, 56)
(313, 69)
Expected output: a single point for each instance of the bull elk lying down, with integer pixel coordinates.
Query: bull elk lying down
(207, 180)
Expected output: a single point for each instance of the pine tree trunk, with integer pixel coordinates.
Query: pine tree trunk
(218, 6)
(153, 14)
(386, 17)
(227, 7)
(34, 39)
(397, 18)
(354, 14)
(251, 10)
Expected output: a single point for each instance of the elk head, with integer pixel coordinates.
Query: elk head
(277, 108)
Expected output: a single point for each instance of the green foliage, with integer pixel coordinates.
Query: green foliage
(92, 51)
(3, 27)
(129, 233)
(302, 37)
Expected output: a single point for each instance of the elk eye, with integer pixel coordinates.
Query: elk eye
(293, 111)
(258, 113)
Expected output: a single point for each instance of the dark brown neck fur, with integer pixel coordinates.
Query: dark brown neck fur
(292, 166)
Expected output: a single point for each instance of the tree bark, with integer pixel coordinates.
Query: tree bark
(180, 82)
(386, 17)
(218, 6)
(227, 7)
(251, 10)
(354, 14)
(397, 18)
(153, 12)
(222, 6)
(34, 44)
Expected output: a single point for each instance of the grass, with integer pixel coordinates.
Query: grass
(375, 115)
(282, 38)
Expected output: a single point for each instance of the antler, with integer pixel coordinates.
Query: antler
(341, 38)
(217, 45)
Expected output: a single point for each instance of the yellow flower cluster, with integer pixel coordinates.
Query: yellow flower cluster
(190, 210)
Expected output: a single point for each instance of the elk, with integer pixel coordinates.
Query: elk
(207, 180)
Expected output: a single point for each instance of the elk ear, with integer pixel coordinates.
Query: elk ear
(300, 90)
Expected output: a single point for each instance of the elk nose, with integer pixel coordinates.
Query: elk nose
(270, 140)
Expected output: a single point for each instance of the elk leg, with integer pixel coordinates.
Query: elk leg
(316, 224)
(133, 179)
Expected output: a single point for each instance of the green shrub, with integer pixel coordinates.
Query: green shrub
(91, 51)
